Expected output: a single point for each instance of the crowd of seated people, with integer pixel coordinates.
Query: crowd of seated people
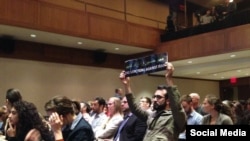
(125, 119)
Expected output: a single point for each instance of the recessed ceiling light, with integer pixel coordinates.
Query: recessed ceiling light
(222, 77)
(233, 55)
(198, 72)
(117, 48)
(33, 35)
(79, 43)
(215, 74)
(190, 62)
(238, 70)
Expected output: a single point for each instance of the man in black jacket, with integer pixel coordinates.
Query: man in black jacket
(132, 128)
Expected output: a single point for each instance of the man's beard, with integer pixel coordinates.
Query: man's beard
(158, 107)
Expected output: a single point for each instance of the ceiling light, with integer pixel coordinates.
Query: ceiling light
(33, 35)
(79, 43)
(198, 72)
(222, 77)
(215, 74)
(233, 55)
(117, 48)
(238, 70)
(190, 62)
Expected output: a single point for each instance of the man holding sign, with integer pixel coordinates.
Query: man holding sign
(168, 118)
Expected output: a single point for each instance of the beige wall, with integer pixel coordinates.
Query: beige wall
(39, 81)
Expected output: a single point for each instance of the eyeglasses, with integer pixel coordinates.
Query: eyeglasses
(157, 96)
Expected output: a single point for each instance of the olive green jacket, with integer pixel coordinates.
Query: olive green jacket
(164, 125)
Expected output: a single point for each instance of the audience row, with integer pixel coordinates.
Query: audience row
(120, 118)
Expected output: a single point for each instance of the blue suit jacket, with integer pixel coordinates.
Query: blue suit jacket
(133, 130)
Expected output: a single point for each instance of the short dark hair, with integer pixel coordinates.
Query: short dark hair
(101, 101)
(163, 87)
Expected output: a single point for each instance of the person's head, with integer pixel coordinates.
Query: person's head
(98, 105)
(212, 103)
(114, 106)
(187, 104)
(76, 106)
(145, 102)
(124, 105)
(195, 99)
(3, 113)
(208, 12)
(118, 91)
(60, 104)
(25, 116)
(85, 108)
(12, 95)
(160, 98)
(248, 104)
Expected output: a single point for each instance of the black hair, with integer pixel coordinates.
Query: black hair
(163, 87)
(88, 109)
(13, 95)
(101, 101)
(77, 106)
(29, 118)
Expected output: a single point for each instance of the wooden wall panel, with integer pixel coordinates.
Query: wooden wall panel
(211, 43)
(148, 9)
(143, 36)
(117, 5)
(4, 10)
(72, 4)
(206, 44)
(176, 49)
(105, 12)
(141, 21)
(23, 12)
(64, 20)
(238, 37)
(108, 29)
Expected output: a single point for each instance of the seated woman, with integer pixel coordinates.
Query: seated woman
(25, 124)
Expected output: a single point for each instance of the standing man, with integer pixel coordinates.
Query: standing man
(196, 103)
(99, 116)
(65, 124)
(168, 119)
(118, 93)
(193, 117)
(131, 128)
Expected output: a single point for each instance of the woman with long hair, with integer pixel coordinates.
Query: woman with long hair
(25, 124)
(218, 113)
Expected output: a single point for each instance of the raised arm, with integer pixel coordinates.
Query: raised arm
(174, 97)
(135, 109)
